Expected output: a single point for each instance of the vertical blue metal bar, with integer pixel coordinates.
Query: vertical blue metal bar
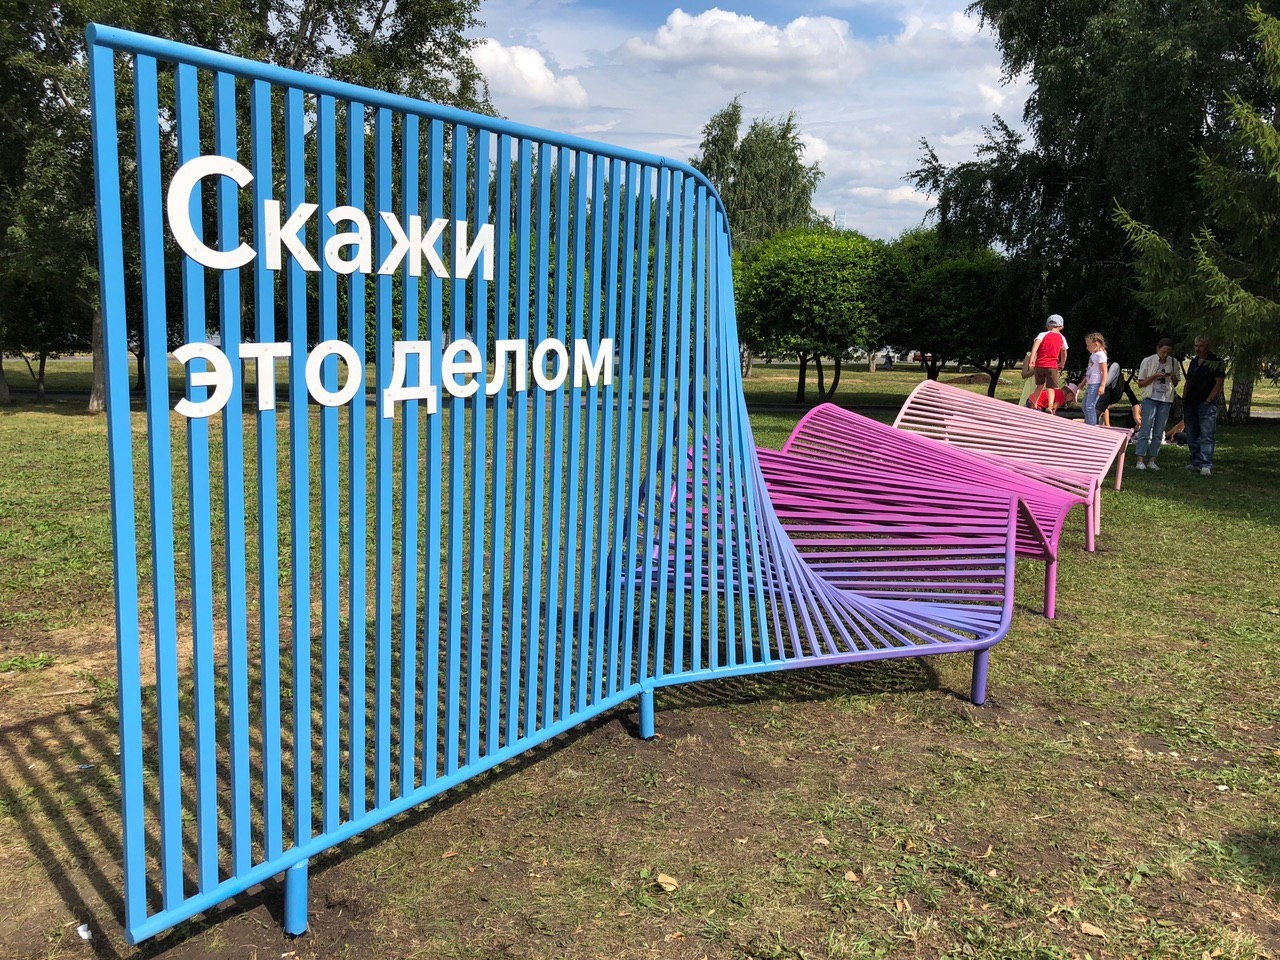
(384, 459)
(569, 650)
(409, 478)
(669, 512)
(501, 461)
(736, 456)
(715, 479)
(224, 98)
(558, 688)
(520, 451)
(193, 309)
(264, 305)
(538, 709)
(434, 471)
(701, 504)
(159, 476)
(357, 494)
(591, 614)
(299, 466)
(607, 592)
(106, 166)
(656, 495)
(478, 456)
(632, 528)
(457, 474)
(684, 509)
(330, 508)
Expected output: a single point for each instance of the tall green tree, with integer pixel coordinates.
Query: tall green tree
(812, 294)
(48, 250)
(957, 302)
(761, 175)
(1225, 279)
(1126, 93)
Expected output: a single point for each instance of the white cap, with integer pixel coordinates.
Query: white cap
(1055, 320)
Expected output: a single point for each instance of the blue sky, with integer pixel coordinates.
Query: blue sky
(867, 80)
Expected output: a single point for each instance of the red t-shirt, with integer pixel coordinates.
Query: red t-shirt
(1042, 401)
(1051, 345)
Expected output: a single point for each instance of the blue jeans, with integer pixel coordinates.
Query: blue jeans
(1202, 426)
(1155, 415)
(1090, 402)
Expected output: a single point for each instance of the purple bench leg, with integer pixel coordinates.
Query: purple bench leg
(1050, 589)
(978, 688)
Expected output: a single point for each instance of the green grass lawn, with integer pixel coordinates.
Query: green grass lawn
(1118, 796)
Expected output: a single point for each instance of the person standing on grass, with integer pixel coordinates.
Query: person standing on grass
(1050, 359)
(1095, 376)
(1158, 376)
(1206, 375)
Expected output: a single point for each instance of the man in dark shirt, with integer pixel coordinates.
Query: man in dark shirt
(1205, 377)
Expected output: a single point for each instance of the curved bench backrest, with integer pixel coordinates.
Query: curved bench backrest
(844, 438)
(989, 426)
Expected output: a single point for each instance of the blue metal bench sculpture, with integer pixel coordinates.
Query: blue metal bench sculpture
(542, 502)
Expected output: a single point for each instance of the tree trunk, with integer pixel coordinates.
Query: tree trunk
(141, 354)
(822, 385)
(98, 392)
(871, 362)
(804, 370)
(746, 359)
(1243, 376)
(932, 367)
(835, 381)
(4, 384)
(40, 376)
(995, 378)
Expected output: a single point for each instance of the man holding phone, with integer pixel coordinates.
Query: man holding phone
(1158, 376)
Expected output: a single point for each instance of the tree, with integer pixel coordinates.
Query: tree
(1125, 95)
(1225, 280)
(46, 198)
(957, 302)
(766, 186)
(812, 294)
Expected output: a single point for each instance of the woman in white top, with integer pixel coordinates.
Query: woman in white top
(1095, 376)
(1158, 376)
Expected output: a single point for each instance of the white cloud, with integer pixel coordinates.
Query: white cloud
(522, 73)
(863, 100)
(895, 195)
(735, 46)
(816, 150)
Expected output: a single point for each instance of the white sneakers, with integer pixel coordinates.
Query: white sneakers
(1153, 465)
(1206, 471)
(1141, 465)
(1147, 466)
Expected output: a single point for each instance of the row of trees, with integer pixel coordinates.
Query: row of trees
(821, 294)
(48, 258)
(807, 291)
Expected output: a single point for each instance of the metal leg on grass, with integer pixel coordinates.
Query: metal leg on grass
(295, 899)
(646, 714)
(978, 688)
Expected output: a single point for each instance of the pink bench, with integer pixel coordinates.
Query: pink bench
(849, 443)
(1063, 453)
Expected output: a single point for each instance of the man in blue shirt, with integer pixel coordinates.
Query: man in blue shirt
(1205, 376)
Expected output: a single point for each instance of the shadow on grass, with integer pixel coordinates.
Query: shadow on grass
(1257, 851)
(60, 791)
